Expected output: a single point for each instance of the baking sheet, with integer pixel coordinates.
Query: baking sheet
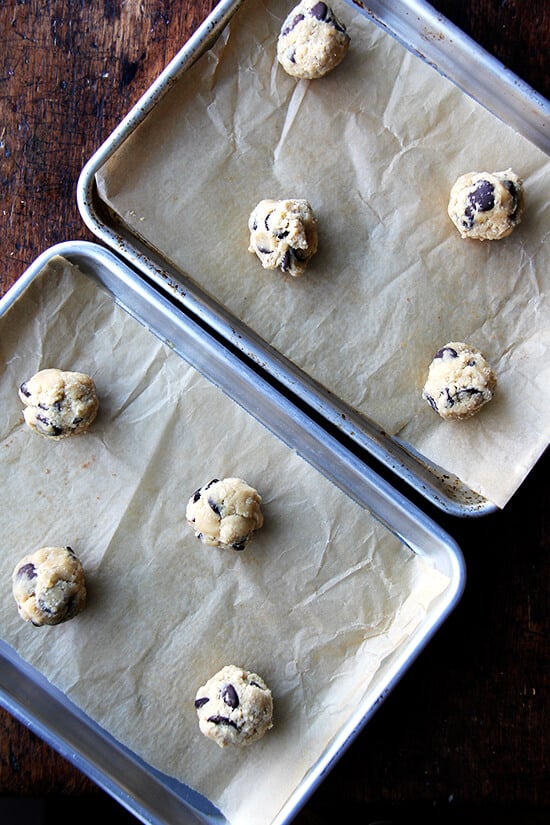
(316, 604)
(375, 146)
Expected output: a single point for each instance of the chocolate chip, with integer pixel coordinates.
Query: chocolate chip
(281, 235)
(431, 401)
(482, 198)
(263, 251)
(55, 430)
(211, 482)
(512, 189)
(196, 495)
(449, 399)
(222, 720)
(468, 391)
(202, 700)
(293, 23)
(230, 696)
(43, 607)
(257, 685)
(285, 263)
(27, 571)
(24, 389)
(441, 353)
(215, 506)
(319, 11)
(240, 544)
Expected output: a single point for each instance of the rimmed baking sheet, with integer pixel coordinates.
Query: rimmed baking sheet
(327, 603)
(375, 147)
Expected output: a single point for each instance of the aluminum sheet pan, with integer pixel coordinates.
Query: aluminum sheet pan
(431, 37)
(47, 708)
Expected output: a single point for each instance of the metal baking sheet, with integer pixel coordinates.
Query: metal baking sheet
(437, 42)
(152, 795)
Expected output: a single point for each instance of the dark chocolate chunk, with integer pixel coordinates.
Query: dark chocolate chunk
(222, 720)
(230, 696)
(285, 263)
(467, 391)
(240, 544)
(211, 482)
(202, 700)
(257, 685)
(264, 251)
(281, 235)
(293, 23)
(196, 495)
(24, 390)
(215, 506)
(441, 353)
(512, 189)
(431, 401)
(55, 430)
(27, 571)
(44, 607)
(482, 197)
(319, 11)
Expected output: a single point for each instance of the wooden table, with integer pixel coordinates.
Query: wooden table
(464, 736)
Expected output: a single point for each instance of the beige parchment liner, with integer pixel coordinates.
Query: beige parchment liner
(375, 146)
(317, 601)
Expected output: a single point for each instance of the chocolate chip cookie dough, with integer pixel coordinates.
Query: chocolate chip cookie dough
(58, 403)
(460, 381)
(283, 234)
(486, 206)
(235, 707)
(312, 41)
(225, 513)
(49, 586)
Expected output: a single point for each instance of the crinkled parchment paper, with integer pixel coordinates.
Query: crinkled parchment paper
(317, 601)
(375, 146)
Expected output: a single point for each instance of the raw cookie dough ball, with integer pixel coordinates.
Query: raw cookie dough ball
(49, 586)
(460, 381)
(312, 41)
(234, 707)
(59, 404)
(225, 513)
(283, 234)
(486, 206)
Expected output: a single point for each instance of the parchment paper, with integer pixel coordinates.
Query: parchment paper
(317, 601)
(375, 147)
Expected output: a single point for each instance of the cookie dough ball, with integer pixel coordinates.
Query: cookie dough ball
(283, 234)
(225, 513)
(234, 707)
(59, 404)
(486, 206)
(49, 586)
(460, 381)
(312, 41)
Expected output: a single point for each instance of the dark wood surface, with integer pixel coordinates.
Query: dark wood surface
(464, 736)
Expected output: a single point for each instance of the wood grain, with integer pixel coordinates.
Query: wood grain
(464, 736)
